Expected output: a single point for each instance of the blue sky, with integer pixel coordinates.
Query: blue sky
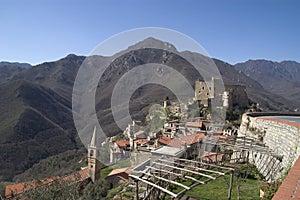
(232, 30)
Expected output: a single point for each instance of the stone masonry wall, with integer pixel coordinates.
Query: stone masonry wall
(283, 139)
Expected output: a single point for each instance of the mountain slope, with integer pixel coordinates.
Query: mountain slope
(58, 76)
(281, 78)
(7, 72)
(35, 123)
(15, 64)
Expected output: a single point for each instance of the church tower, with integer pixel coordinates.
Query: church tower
(93, 163)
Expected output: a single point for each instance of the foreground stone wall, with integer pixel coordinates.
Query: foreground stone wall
(282, 137)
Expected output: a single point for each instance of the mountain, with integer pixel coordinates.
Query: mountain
(15, 64)
(36, 118)
(58, 76)
(281, 78)
(35, 122)
(7, 72)
(9, 69)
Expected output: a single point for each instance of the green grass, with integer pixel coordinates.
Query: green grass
(218, 189)
(10, 116)
(122, 164)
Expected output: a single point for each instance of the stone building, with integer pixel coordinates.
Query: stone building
(228, 95)
(118, 175)
(237, 95)
(204, 91)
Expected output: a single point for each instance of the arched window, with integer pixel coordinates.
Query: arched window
(91, 152)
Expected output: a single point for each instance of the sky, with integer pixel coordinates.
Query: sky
(233, 30)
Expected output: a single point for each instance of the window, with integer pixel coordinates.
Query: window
(91, 152)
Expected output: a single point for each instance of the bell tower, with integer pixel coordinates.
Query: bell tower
(93, 162)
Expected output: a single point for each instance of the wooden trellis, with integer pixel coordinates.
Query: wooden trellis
(175, 172)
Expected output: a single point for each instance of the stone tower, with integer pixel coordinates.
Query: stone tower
(225, 99)
(93, 162)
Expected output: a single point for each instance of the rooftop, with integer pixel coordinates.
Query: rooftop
(164, 140)
(141, 141)
(194, 124)
(289, 188)
(170, 151)
(118, 171)
(192, 139)
(19, 188)
(288, 120)
(122, 143)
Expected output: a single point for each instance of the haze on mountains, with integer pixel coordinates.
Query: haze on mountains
(281, 78)
(36, 119)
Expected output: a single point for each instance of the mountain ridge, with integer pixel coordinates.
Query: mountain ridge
(281, 78)
(43, 94)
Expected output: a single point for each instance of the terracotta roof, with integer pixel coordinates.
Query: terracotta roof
(118, 171)
(122, 143)
(176, 142)
(141, 141)
(194, 124)
(19, 188)
(78, 176)
(282, 121)
(193, 138)
(181, 140)
(164, 140)
(290, 187)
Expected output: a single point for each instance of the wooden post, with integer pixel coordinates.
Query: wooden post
(230, 184)
(217, 154)
(136, 189)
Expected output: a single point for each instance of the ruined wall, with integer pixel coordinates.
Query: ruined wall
(281, 136)
(213, 90)
(203, 92)
(237, 95)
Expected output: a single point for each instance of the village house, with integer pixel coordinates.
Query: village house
(119, 150)
(118, 176)
(194, 127)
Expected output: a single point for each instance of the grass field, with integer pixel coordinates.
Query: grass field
(218, 189)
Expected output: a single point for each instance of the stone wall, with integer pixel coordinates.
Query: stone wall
(237, 95)
(204, 91)
(282, 137)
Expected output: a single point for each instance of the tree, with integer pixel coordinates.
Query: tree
(96, 191)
